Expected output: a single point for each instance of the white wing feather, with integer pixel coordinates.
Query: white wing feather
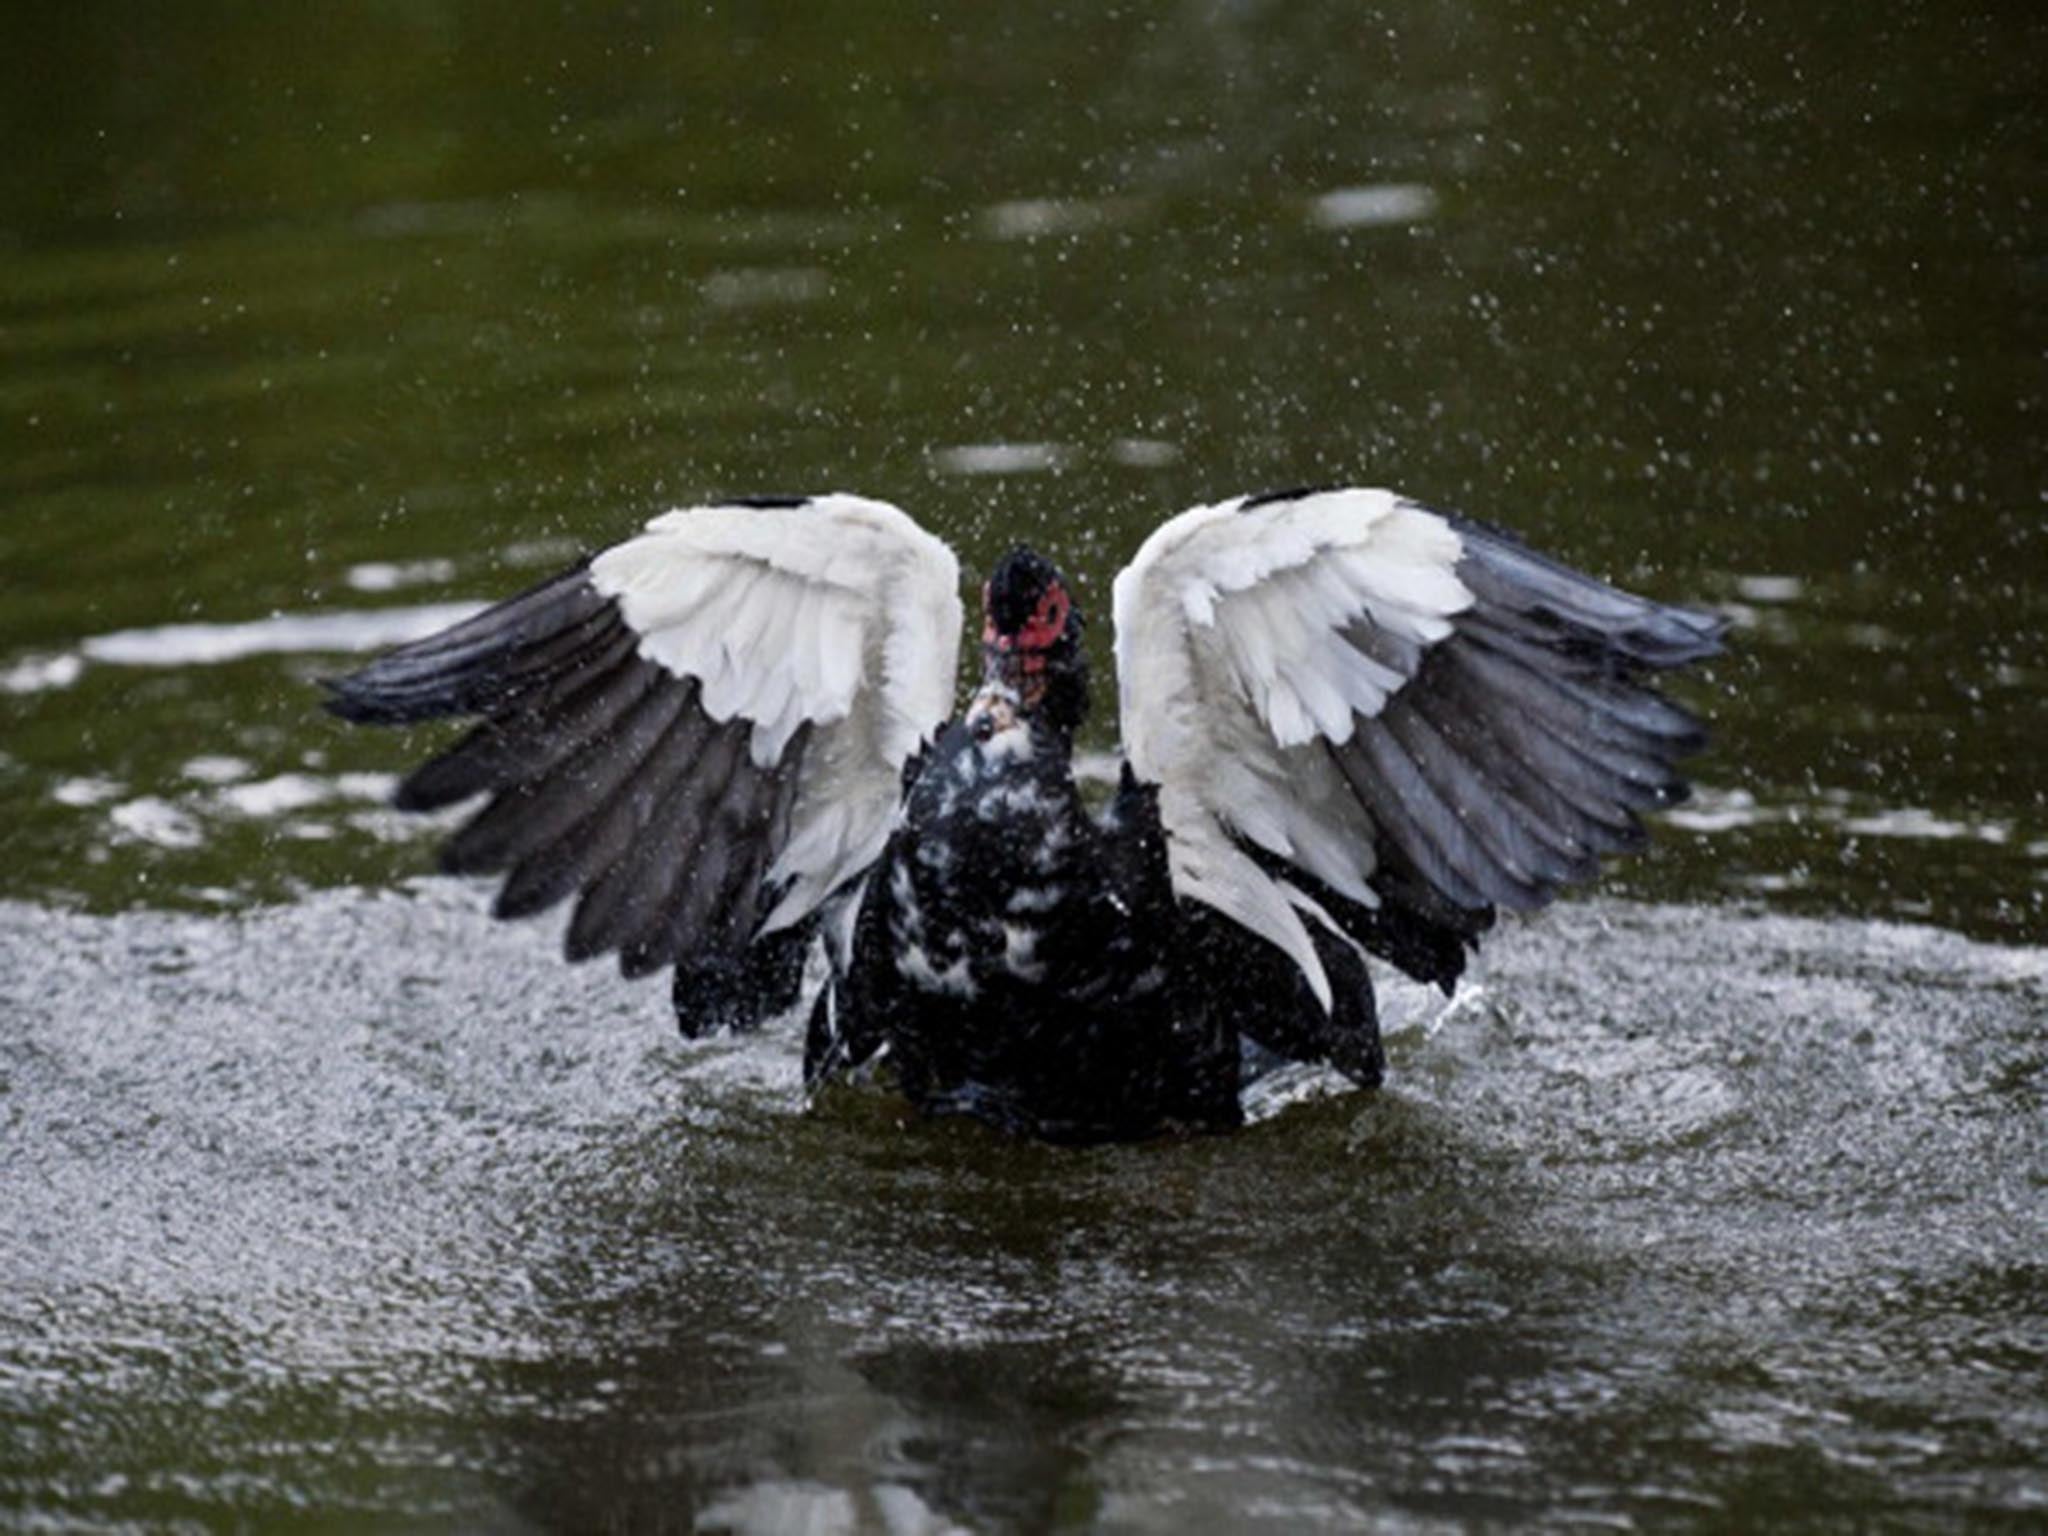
(841, 614)
(1231, 674)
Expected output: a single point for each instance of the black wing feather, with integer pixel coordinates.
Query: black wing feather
(607, 782)
(656, 929)
(1517, 753)
(555, 869)
(529, 735)
(473, 667)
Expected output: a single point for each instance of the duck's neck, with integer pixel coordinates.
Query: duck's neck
(1005, 730)
(1050, 687)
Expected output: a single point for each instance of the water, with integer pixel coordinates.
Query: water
(1721, 1200)
(361, 1205)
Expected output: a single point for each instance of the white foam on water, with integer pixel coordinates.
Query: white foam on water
(40, 674)
(1714, 810)
(755, 287)
(153, 819)
(1033, 218)
(1385, 203)
(87, 791)
(216, 768)
(185, 645)
(289, 792)
(389, 576)
(1144, 452)
(1002, 458)
(1917, 821)
(1770, 589)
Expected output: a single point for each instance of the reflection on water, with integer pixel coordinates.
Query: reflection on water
(352, 1207)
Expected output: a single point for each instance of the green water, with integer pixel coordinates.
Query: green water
(311, 320)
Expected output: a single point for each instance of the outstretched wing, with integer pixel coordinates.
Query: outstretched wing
(1361, 711)
(698, 733)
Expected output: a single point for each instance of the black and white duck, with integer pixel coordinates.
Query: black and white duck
(1352, 726)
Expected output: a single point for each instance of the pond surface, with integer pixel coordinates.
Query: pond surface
(1721, 1198)
(361, 1206)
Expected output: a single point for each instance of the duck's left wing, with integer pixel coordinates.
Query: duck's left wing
(1416, 713)
(699, 733)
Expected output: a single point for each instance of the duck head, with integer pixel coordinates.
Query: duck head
(1031, 640)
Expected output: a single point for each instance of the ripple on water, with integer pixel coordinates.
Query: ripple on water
(1679, 1212)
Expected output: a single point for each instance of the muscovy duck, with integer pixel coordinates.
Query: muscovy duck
(1352, 726)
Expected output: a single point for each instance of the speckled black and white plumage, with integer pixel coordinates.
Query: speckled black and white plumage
(1353, 728)
(1015, 956)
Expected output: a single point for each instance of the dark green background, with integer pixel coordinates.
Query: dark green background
(1707, 292)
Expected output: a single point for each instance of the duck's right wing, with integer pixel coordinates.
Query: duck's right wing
(1344, 692)
(699, 733)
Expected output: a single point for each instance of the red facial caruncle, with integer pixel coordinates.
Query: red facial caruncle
(1039, 633)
